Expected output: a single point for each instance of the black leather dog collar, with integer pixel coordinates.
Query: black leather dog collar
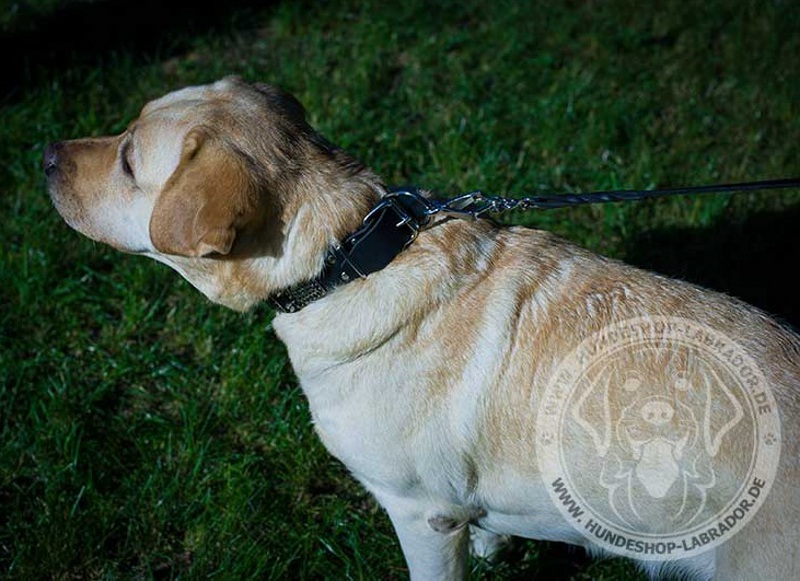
(389, 227)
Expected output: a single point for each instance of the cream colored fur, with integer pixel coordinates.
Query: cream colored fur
(425, 378)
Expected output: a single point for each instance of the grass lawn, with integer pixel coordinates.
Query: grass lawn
(145, 433)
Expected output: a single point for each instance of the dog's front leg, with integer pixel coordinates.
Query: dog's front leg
(435, 542)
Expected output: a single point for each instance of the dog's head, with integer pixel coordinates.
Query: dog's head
(215, 181)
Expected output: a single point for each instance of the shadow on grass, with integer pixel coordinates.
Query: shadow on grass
(753, 260)
(86, 33)
(528, 560)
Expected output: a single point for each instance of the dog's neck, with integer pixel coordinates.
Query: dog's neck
(318, 209)
(316, 216)
(389, 227)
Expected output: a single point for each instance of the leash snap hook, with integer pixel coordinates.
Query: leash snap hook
(473, 204)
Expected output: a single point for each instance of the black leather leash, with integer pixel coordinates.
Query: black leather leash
(398, 217)
(477, 203)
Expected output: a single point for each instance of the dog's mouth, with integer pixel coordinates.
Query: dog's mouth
(656, 466)
(75, 215)
(56, 168)
(67, 205)
(96, 221)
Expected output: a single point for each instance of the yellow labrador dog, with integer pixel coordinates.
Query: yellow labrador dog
(481, 381)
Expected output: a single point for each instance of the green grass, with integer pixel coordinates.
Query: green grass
(145, 433)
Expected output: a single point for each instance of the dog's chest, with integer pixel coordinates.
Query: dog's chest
(384, 440)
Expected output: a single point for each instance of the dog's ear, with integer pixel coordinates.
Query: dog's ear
(206, 200)
(593, 410)
(722, 408)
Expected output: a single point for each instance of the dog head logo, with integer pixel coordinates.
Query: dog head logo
(653, 429)
(656, 423)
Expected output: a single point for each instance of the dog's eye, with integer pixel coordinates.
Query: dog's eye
(124, 158)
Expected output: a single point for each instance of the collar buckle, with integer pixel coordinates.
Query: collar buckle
(412, 210)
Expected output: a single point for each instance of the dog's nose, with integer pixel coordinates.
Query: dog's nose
(657, 412)
(51, 158)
